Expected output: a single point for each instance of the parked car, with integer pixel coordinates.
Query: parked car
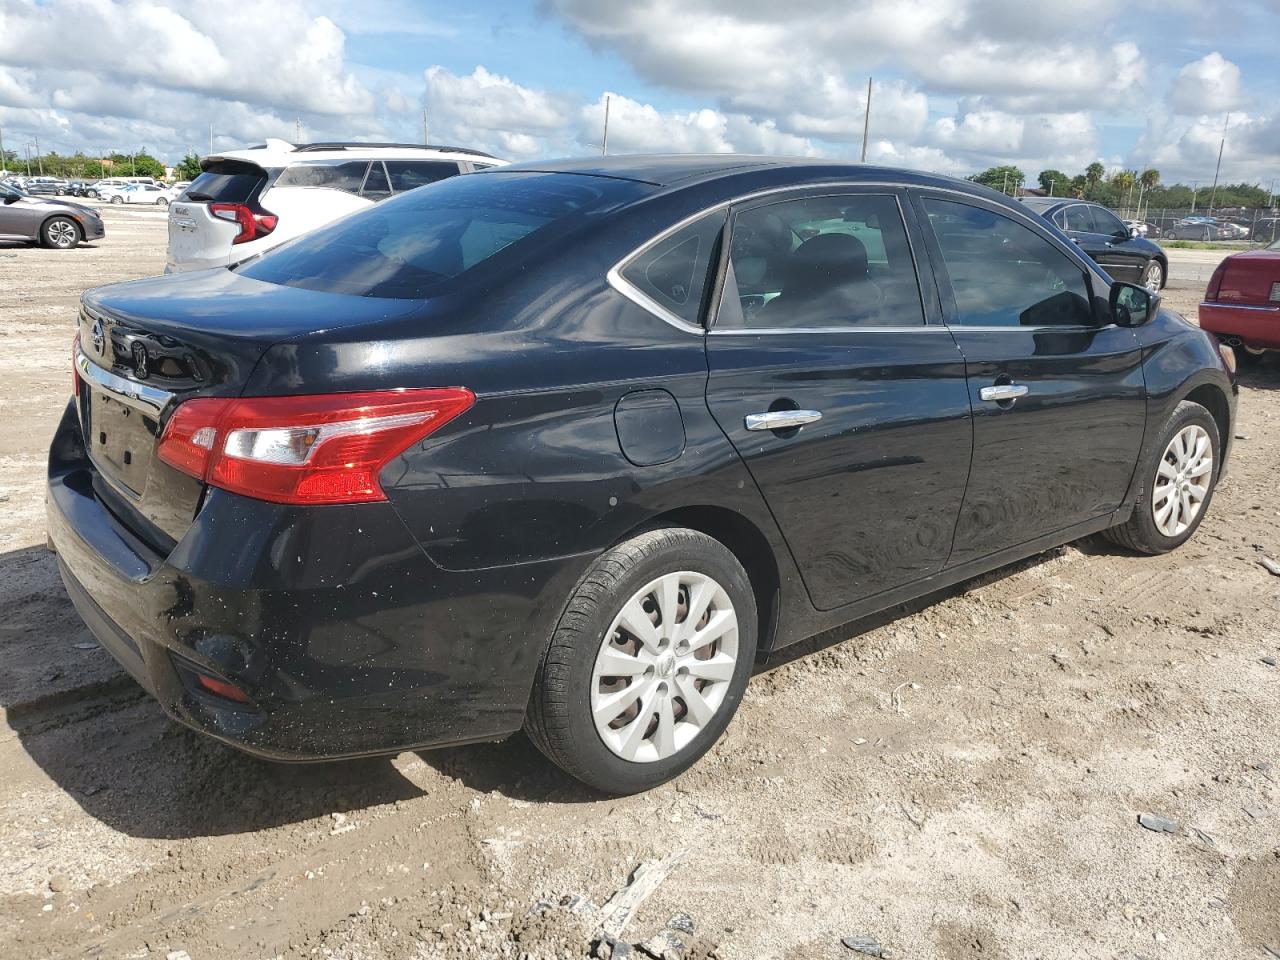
(1145, 228)
(1202, 228)
(139, 193)
(249, 201)
(1116, 247)
(45, 186)
(1265, 230)
(1242, 303)
(175, 190)
(567, 445)
(100, 189)
(54, 223)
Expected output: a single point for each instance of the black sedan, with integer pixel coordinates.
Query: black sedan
(1118, 248)
(568, 446)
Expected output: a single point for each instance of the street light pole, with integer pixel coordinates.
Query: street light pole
(866, 122)
(39, 162)
(1221, 144)
(604, 144)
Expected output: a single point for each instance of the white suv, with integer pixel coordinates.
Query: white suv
(248, 201)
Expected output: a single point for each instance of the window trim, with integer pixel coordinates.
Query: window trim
(911, 192)
(1102, 319)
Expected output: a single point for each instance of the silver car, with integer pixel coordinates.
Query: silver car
(53, 223)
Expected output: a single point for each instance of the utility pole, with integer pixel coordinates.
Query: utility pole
(4, 164)
(26, 148)
(39, 161)
(426, 139)
(866, 122)
(1051, 183)
(1195, 188)
(297, 130)
(604, 144)
(1221, 144)
(211, 139)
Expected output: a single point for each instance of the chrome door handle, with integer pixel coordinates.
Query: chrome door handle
(781, 419)
(1004, 391)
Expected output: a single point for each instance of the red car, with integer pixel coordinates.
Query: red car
(1242, 304)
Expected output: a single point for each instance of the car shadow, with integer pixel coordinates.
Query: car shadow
(1262, 373)
(112, 749)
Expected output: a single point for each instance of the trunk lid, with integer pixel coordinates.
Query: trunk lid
(1251, 278)
(148, 345)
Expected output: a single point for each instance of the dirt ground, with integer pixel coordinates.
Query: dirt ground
(959, 780)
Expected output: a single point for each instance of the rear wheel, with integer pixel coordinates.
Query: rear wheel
(648, 663)
(162, 201)
(1177, 484)
(117, 199)
(60, 233)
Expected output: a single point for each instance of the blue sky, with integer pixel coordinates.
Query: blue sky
(960, 84)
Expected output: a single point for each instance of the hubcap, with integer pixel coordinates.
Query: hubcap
(664, 667)
(1182, 480)
(61, 233)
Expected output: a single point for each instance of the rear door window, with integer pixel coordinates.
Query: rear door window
(408, 174)
(1079, 218)
(842, 260)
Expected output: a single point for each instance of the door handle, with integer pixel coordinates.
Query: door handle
(781, 419)
(1004, 391)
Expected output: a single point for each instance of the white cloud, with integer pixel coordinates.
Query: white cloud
(495, 112)
(1208, 85)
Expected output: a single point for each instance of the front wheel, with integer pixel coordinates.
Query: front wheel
(117, 199)
(1153, 276)
(648, 663)
(162, 202)
(1177, 484)
(60, 233)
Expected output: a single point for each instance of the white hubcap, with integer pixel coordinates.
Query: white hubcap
(664, 667)
(1182, 480)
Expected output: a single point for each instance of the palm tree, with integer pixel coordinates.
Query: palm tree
(1124, 180)
(1093, 173)
(1150, 179)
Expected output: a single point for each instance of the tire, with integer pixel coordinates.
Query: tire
(60, 233)
(679, 564)
(162, 202)
(1144, 532)
(1154, 275)
(117, 199)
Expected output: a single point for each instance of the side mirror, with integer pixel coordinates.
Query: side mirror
(11, 198)
(1132, 305)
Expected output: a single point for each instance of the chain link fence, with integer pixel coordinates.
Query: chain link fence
(1256, 225)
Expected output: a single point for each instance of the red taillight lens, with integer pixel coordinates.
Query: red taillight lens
(252, 225)
(1215, 281)
(304, 450)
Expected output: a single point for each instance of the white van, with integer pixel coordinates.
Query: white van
(248, 201)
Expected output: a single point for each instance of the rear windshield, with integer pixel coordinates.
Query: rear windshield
(414, 241)
(226, 182)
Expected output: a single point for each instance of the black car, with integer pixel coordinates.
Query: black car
(1120, 250)
(568, 446)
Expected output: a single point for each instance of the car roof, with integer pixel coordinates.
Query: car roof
(281, 153)
(667, 170)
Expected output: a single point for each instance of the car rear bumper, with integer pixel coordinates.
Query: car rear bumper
(1256, 326)
(344, 635)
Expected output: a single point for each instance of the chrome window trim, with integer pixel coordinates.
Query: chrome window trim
(619, 283)
(140, 396)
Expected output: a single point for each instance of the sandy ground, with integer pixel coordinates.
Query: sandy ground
(961, 779)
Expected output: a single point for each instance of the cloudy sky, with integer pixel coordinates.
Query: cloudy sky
(959, 84)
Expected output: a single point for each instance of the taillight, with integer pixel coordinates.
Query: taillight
(252, 225)
(1215, 281)
(304, 450)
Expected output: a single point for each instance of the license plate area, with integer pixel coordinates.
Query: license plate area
(120, 440)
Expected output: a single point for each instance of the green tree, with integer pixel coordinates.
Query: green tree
(1150, 179)
(1006, 178)
(1053, 182)
(1122, 183)
(189, 168)
(140, 164)
(1078, 185)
